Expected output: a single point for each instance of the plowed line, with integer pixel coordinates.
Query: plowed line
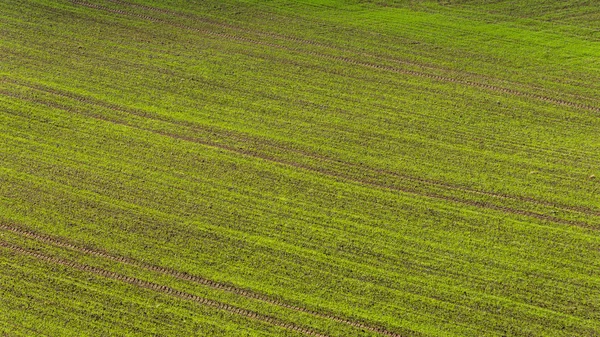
(229, 26)
(462, 134)
(165, 290)
(303, 41)
(191, 278)
(492, 141)
(21, 326)
(351, 61)
(196, 127)
(345, 177)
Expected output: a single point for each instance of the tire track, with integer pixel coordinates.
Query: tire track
(166, 290)
(501, 143)
(362, 327)
(240, 29)
(192, 278)
(511, 143)
(348, 60)
(314, 43)
(195, 127)
(349, 178)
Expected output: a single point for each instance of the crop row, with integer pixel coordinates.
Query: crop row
(353, 61)
(340, 169)
(188, 277)
(301, 175)
(55, 190)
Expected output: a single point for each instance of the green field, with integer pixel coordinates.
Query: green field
(291, 168)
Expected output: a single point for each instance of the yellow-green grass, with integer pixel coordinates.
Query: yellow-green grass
(424, 170)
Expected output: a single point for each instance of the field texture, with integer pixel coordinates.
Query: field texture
(291, 168)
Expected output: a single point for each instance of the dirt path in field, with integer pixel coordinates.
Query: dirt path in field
(192, 278)
(351, 61)
(323, 170)
(165, 290)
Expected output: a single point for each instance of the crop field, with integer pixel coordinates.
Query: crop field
(299, 168)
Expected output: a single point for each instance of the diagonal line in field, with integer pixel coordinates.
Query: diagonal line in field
(188, 277)
(165, 290)
(332, 173)
(228, 133)
(315, 43)
(348, 60)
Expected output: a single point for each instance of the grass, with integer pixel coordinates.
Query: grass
(331, 167)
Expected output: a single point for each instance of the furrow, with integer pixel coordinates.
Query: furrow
(463, 82)
(21, 326)
(307, 42)
(196, 127)
(192, 278)
(165, 289)
(345, 177)
(428, 269)
(452, 187)
(502, 143)
(225, 25)
(351, 61)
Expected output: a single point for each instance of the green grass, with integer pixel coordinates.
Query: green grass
(426, 168)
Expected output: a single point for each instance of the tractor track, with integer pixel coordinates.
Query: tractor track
(63, 243)
(191, 278)
(348, 60)
(443, 185)
(510, 143)
(423, 268)
(350, 178)
(225, 25)
(315, 43)
(165, 290)
(329, 172)
(460, 133)
(346, 178)
(500, 143)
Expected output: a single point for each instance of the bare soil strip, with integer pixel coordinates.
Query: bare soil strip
(187, 277)
(342, 175)
(165, 290)
(351, 61)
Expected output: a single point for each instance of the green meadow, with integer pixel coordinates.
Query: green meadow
(299, 168)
